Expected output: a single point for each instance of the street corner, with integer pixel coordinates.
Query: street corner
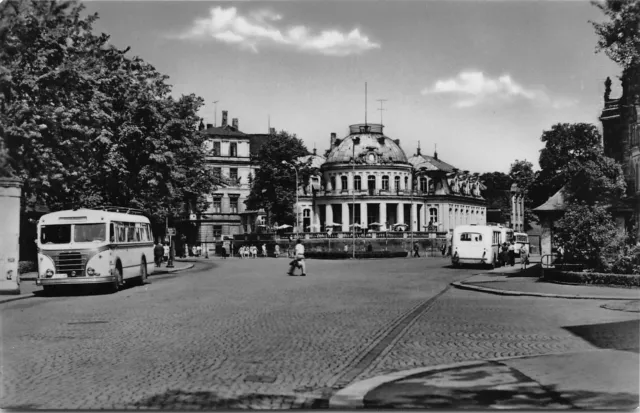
(484, 384)
(177, 268)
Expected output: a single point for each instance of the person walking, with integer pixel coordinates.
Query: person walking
(264, 250)
(524, 258)
(158, 252)
(448, 239)
(416, 250)
(504, 254)
(166, 252)
(298, 261)
(276, 251)
(512, 254)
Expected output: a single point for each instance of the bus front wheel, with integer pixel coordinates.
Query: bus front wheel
(115, 286)
(143, 272)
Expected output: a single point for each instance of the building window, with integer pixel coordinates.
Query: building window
(217, 171)
(423, 184)
(385, 183)
(433, 215)
(233, 205)
(233, 149)
(371, 184)
(406, 183)
(333, 183)
(216, 149)
(343, 182)
(396, 183)
(217, 204)
(233, 174)
(357, 183)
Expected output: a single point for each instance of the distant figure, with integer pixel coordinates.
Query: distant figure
(194, 251)
(504, 254)
(199, 250)
(443, 249)
(524, 258)
(416, 250)
(298, 261)
(225, 254)
(276, 251)
(264, 250)
(512, 254)
(254, 251)
(165, 251)
(158, 252)
(448, 239)
(346, 248)
(369, 247)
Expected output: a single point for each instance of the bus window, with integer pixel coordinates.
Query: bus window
(112, 232)
(137, 234)
(470, 236)
(122, 233)
(55, 234)
(130, 232)
(89, 232)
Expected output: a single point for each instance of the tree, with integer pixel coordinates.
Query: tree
(86, 125)
(619, 38)
(564, 143)
(521, 174)
(498, 185)
(274, 183)
(600, 181)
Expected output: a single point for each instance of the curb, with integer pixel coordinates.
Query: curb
(353, 395)
(464, 286)
(22, 297)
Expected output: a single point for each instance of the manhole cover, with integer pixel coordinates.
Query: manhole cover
(89, 322)
(256, 378)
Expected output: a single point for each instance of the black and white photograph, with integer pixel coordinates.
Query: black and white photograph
(319, 205)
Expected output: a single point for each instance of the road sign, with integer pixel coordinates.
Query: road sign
(171, 232)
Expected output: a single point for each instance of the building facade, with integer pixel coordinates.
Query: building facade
(366, 179)
(621, 141)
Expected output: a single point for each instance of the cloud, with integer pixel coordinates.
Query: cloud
(258, 29)
(472, 88)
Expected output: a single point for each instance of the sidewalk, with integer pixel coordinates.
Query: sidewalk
(27, 289)
(597, 379)
(511, 281)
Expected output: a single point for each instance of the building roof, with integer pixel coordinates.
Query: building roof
(371, 140)
(316, 160)
(557, 202)
(223, 131)
(430, 163)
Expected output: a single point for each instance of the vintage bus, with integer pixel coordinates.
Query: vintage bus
(476, 244)
(521, 240)
(108, 246)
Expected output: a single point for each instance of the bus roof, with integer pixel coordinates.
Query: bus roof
(475, 228)
(71, 216)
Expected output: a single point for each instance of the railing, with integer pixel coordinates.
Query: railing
(362, 234)
(376, 192)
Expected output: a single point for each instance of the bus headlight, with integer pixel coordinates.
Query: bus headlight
(49, 273)
(91, 272)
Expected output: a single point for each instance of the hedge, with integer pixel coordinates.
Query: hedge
(594, 278)
(337, 255)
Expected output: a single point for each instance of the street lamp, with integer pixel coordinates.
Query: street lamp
(355, 140)
(297, 204)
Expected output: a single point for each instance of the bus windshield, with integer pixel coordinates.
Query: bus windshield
(55, 234)
(89, 232)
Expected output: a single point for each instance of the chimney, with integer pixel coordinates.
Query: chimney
(234, 123)
(315, 152)
(272, 131)
(435, 155)
(418, 153)
(333, 139)
(209, 125)
(224, 118)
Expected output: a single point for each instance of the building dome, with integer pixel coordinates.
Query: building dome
(373, 147)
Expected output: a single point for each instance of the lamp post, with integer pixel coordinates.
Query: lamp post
(297, 204)
(355, 140)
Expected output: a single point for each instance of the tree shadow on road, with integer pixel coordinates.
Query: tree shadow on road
(620, 335)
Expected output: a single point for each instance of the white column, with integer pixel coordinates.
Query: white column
(383, 212)
(315, 218)
(350, 184)
(414, 217)
(345, 216)
(363, 213)
(329, 214)
(400, 213)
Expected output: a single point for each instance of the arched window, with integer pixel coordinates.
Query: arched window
(306, 220)
(385, 183)
(357, 183)
(423, 184)
(396, 183)
(333, 183)
(406, 183)
(371, 184)
(343, 182)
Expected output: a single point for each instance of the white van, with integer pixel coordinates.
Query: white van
(521, 240)
(475, 244)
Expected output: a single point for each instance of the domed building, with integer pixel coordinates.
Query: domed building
(366, 178)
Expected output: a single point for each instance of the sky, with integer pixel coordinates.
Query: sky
(478, 80)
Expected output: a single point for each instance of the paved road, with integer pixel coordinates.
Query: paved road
(240, 333)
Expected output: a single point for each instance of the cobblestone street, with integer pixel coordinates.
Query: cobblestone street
(240, 333)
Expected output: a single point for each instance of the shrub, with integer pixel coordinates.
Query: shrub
(594, 278)
(27, 266)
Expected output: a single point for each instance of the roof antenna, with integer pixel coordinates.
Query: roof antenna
(215, 113)
(365, 103)
(381, 109)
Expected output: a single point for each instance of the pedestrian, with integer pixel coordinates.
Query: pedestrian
(224, 252)
(199, 250)
(264, 250)
(443, 249)
(448, 239)
(524, 258)
(254, 251)
(276, 251)
(369, 247)
(504, 254)
(158, 252)
(512, 254)
(416, 250)
(194, 251)
(165, 251)
(186, 250)
(346, 248)
(298, 261)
